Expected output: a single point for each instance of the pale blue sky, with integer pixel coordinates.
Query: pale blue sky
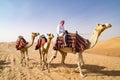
(21, 17)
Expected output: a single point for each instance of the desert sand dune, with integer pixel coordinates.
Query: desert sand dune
(110, 47)
(97, 67)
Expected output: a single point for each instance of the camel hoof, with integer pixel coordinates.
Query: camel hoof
(82, 64)
(76, 69)
(63, 63)
(42, 69)
(83, 75)
(54, 57)
(28, 59)
(48, 71)
(40, 63)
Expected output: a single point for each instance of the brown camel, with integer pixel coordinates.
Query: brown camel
(43, 49)
(24, 50)
(92, 41)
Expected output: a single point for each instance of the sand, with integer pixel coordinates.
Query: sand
(97, 67)
(110, 47)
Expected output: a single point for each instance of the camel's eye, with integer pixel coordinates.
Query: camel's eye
(103, 25)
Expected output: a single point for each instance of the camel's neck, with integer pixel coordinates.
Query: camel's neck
(31, 43)
(48, 43)
(94, 38)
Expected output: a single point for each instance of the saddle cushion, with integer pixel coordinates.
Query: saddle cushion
(20, 43)
(74, 41)
(41, 41)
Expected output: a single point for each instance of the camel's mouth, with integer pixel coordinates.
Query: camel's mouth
(108, 25)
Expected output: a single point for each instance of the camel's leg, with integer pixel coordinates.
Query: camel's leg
(64, 54)
(53, 57)
(40, 56)
(22, 58)
(79, 64)
(82, 61)
(46, 60)
(27, 58)
(43, 61)
(47, 66)
(21, 61)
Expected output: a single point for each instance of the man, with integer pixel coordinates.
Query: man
(61, 30)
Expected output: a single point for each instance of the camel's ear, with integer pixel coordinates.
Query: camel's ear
(52, 35)
(48, 34)
(38, 33)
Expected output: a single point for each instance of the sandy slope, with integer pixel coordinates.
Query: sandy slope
(110, 47)
(97, 67)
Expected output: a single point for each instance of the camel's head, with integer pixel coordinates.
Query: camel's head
(102, 27)
(34, 34)
(50, 36)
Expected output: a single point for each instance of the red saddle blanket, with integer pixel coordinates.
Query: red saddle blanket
(41, 41)
(74, 41)
(20, 43)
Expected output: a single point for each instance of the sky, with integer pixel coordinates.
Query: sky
(21, 17)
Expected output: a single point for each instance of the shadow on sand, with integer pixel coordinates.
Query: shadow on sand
(100, 70)
(90, 68)
(3, 64)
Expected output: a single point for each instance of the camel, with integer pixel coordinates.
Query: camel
(24, 50)
(92, 41)
(43, 50)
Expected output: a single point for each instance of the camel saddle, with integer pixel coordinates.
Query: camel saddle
(41, 41)
(20, 43)
(74, 40)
